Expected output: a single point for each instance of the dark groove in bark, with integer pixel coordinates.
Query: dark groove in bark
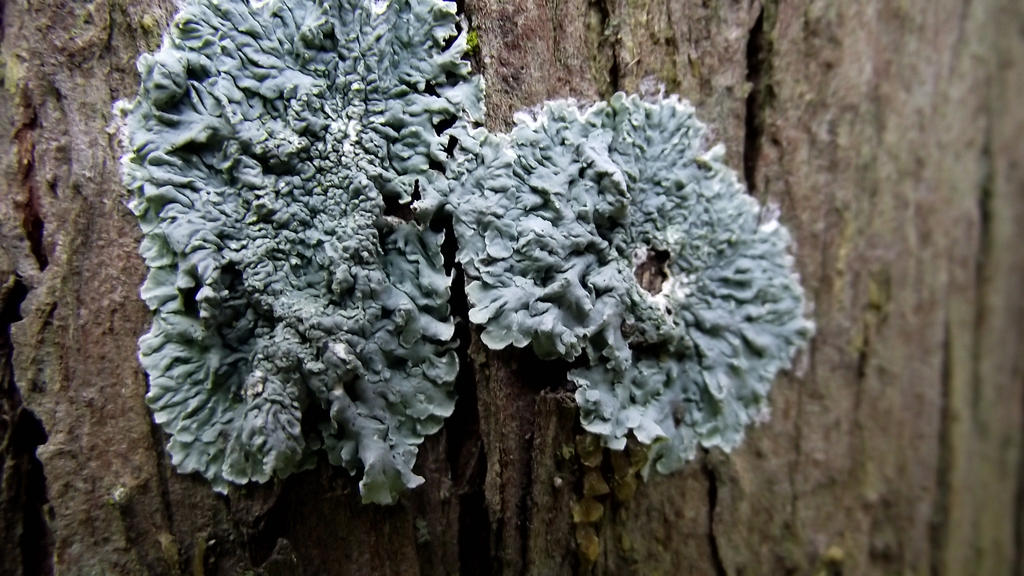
(31, 217)
(36, 540)
(465, 451)
(712, 478)
(759, 56)
(524, 502)
(162, 474)
(939, 529)
(269, 530)
(33, 225)
(982, 275)
(608, 43)
(614, 74)
(23, 494)
(1018, 525)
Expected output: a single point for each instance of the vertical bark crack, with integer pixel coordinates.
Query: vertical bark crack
(759, 60)
(27, 541)
(1018, 524)
(712, 479)
(163, 473)
(466, 458)
(939, 534)
(525, 512)
(31, 216)
(983, 274)
(607, 44)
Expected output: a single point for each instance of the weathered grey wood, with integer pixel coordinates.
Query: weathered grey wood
(889, 133)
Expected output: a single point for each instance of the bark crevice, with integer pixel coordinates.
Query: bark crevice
(162, 474)
(712, 479)
(606, 45)
(939, 533)
(28, 544)
(759, 61)
(983, 275)
(465, 449)
(32, 224)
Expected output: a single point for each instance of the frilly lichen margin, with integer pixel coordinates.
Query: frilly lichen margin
(553, 220)
(266, 153)
(263, 152)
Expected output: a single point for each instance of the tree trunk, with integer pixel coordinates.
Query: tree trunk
(890, 134)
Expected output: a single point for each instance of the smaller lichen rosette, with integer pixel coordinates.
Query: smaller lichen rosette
(285, 160)
(562, 223)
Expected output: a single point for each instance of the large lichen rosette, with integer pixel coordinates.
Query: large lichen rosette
(615, 236)
(285, 160)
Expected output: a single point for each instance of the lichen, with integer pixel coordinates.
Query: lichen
(292, 163)
(285, 160)
(561, 225)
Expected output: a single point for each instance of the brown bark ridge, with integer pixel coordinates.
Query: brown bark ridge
(889, 133)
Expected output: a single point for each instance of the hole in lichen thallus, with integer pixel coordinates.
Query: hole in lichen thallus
(449, 148)
(403, 210)
(444, 123)
(651, 273)
(189, 301)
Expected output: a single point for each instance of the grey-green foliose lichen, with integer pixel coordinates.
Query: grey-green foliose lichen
(287, 159)
(555, 219)
(267, 153)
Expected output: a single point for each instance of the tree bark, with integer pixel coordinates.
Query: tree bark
(889, 133)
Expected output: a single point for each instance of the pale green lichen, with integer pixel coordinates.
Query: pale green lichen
(553, 222)
(270, 152)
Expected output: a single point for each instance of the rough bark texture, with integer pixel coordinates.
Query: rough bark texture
(890, 133)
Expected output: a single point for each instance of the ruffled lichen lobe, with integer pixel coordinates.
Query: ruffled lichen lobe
(288, 161)
(270, 154)
(615, 236)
